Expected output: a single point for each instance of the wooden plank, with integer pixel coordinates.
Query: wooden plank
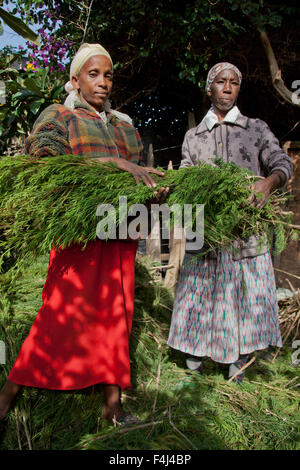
(289, 260)
(191, 120)
(150, 157)
(177, 251)
(153, 241)
(153, 245)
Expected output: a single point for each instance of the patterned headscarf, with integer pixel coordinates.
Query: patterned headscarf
(216, 69)
(84, 53)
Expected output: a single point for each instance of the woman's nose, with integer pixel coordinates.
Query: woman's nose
(101, 81)
(227, 86)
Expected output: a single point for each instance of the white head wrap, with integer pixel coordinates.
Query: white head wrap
(216, 69)
(84, 53)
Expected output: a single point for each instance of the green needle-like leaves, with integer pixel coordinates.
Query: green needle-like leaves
(53, 202)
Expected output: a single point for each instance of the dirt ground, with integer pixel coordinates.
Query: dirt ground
(290, 257)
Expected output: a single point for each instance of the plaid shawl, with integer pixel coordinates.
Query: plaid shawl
(60, 130)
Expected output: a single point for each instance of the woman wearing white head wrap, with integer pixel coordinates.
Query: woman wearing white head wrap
(84, 53)
(81, 333)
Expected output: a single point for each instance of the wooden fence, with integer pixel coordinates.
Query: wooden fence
(167, 255)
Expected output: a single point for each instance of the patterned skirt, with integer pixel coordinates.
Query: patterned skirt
(224, 308)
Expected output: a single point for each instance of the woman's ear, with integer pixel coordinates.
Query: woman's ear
(75, 82)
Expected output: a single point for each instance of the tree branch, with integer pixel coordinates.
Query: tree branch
(277, 80)
(87, 20)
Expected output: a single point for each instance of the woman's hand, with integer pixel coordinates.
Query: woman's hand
(143, 173)
(159, 197)
(265, 186)
(138, 172)
(260, 193)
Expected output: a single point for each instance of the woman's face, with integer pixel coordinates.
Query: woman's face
(94, 81)
(224, 90)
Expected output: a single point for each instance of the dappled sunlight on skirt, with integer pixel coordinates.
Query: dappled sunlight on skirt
(80, 336)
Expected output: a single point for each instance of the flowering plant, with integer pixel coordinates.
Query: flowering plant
(28, 91)
(51, 53)
(50, 50)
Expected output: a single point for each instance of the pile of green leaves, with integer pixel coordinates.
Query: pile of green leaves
(53, 202)
(179, 411)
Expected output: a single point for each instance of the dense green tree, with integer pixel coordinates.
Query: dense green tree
(162, 50)
(148, 39)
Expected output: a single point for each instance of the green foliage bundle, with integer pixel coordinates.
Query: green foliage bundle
(53, 202)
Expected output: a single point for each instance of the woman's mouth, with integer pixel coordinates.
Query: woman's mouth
(102, 94)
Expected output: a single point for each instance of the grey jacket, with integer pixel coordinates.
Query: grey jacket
(248, 143)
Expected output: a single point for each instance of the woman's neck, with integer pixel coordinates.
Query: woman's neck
(220, 114)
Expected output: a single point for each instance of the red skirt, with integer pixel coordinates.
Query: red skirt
(80, 336)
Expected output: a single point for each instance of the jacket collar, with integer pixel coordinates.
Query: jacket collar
(210, 120)
(80, 105)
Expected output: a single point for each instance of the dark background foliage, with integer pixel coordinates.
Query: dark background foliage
(163, 49)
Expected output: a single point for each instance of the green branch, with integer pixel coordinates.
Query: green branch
(19, 27)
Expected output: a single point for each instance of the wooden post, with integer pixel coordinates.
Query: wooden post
(150, 157)
(176, 252)
(290, 258)
(177, 244)
(153, 241)
(191, 120)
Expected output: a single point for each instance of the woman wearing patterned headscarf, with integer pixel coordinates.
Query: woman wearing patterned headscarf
(81, 333)
(235, 312)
